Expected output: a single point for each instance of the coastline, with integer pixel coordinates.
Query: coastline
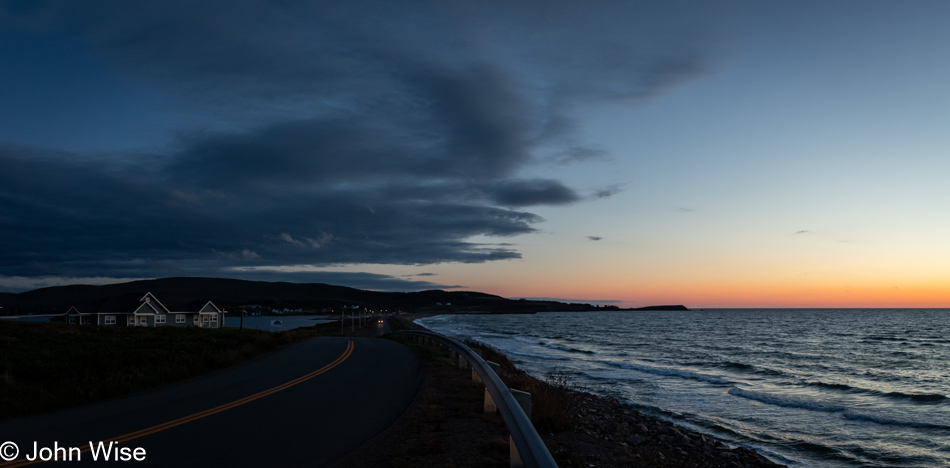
(604, 431)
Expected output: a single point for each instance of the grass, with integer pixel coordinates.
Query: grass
(51, 366)
(552, 400)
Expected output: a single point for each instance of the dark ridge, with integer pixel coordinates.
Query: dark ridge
(233, 293)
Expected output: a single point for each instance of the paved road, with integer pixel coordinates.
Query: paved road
(304, 406)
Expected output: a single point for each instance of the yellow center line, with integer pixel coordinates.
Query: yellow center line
(170, 424)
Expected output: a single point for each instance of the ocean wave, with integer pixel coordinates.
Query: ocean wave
(610, 376)
(526, 340)
(832, 386)
(492, 335)
(923, 398)
(896, 422)
(919, 397)
(884, 338)
(790, 402)
(736, 365)
(567, 349)
(817, 448)
(786, 401)
(546, 357)
(434, 318)
(667, 371)
(749, 368)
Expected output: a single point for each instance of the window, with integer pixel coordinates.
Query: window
(159, 319)
(72, 320)
(143, 321)
(214, 318)
(180, 318)
(110, 320)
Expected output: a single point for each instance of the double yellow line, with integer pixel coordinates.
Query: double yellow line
(208, 412)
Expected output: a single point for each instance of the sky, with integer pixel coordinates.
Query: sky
(711, 154)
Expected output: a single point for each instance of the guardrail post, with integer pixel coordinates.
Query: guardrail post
(494, 367)
(463, 364)
(489, 405)
(475, 377)
(524, 400)
(516, 461)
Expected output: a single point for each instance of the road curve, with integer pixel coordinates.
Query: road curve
(307, 405)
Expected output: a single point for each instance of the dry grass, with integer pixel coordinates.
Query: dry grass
(50, 366)
(552, 400)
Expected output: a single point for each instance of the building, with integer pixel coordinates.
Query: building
(146, 311)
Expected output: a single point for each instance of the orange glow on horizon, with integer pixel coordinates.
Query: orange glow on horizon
(729, 295)
(700, 282)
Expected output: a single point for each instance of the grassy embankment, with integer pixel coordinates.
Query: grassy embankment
(552, 399)
(51, 366)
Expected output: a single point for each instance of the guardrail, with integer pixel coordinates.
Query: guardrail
(530, 447)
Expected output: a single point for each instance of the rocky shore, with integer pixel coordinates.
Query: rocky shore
(609, 433)
(594, 431)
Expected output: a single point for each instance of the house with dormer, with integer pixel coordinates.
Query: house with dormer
(136, 310)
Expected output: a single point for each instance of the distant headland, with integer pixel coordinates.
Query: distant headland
(661, 307)
(236, 295)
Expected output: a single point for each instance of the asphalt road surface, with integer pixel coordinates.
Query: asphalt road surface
(307, 405)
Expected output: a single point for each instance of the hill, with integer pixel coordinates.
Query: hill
(232, 293)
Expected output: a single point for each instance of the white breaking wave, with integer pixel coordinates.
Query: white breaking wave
(786, 401)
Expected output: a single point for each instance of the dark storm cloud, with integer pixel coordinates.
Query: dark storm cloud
(323, 134)
(533, 192)
(360, 280)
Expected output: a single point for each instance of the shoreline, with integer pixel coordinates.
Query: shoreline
(605, 431)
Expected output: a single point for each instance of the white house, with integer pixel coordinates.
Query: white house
(147, 311)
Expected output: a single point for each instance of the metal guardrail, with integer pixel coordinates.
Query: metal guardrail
(530, 446)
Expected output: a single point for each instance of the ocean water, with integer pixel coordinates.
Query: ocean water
(804, 387)
(278, 323)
